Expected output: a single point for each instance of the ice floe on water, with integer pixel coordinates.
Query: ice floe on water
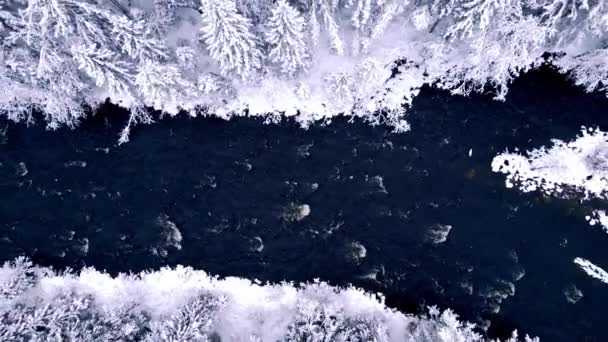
(592, 270)
(327, 231)
(375, 184)
(373, 273)
(355, 252)
(169, 236)
(572, 294)
(82, 246)
(517, 272)
(565, 169)
(182, 304)
(21, 169)
(295, 212)
(303, 151)
(438, 233)
(75, 163)
(495, 293)
(256, 244)
(246, 165)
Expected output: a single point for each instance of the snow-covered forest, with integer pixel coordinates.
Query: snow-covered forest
(307, 59)
(181, 304)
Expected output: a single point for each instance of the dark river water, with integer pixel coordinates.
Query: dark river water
(380, 205)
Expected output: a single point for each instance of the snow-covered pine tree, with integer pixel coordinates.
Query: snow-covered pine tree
(228, 37)
(496, 30)
(257, 11)
(472, 16)
(164, 87)
(286, 37)
(325, 12)
(105, 68)
(340, 87)
(135, 40)
(328, 9)
(389, 10)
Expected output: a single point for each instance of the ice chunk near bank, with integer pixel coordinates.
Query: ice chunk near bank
(169, 236)
(592, 270)
(355, 252)
(295, 212)
(438, 233)
(563, 169)
(598, 217)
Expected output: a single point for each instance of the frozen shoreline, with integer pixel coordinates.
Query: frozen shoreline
(188, 305)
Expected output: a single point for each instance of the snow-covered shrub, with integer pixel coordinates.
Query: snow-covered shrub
(312, 59)
(182, 304)
(565, 169)
(598, 217)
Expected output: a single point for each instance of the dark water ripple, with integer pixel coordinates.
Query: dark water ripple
(410, 215)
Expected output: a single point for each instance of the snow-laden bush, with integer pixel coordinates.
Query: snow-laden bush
(598, 217)
(181, 304)
(307, 59)
(578, 168)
